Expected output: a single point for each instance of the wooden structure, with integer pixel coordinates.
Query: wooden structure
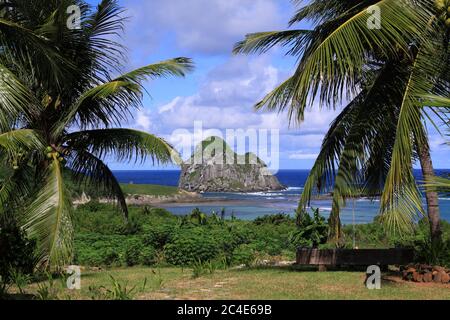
(357, 257)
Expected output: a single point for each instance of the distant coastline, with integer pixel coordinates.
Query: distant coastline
(249, 206)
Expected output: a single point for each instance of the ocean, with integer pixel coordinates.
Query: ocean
(252, 205)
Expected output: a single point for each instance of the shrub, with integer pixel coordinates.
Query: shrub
(230, 237)
(105, 219)
(158, 236)
(425, 251)
(275, 219)
(244, 254)
(103, 250)
(139, 252)
(312, 231)
(133, 254)
(191, 246)
(371, 235)
(16, 251)
(147, 256)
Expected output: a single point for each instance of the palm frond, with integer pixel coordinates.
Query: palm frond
(48, 219)
(88, 170)
(332, 64)
(401, 200)
(124, 144)
(100, 28)
(440, 183)
(173, 67)
(262, 42)
(111, 102)
(16, 99)
(319, 11)
(321, 176)
(15, 189)
(20, 140)
(106, 104)
(23, 47)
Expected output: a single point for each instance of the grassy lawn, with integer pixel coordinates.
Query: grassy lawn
(254, 284)
(149, 189)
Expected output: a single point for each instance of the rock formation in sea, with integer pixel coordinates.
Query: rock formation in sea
(215, 167)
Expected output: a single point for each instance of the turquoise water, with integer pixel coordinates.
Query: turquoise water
(252, 205)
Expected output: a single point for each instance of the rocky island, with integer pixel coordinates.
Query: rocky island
(214, 167)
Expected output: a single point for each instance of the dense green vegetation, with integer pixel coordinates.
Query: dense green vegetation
(169, 251)
(155, 236)
(103, 238)
(148, 189)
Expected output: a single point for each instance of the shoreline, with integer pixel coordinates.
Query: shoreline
(186, 198)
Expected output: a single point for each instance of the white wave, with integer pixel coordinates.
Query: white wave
(326, 209)
(295, 188)
(367, 200)
(444, 199)
(264, 194)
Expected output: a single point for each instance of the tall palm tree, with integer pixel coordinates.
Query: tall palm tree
(61, 109)
(389, 74)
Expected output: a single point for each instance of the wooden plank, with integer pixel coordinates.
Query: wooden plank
(361, 257)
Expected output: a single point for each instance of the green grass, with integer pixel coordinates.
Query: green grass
(254, 284)
(149, 189)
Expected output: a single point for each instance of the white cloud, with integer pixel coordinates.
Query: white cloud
(225, 100)
(143, 120)
(206, 26)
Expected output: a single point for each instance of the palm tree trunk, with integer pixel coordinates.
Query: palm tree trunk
(431, 195)
(334, 227)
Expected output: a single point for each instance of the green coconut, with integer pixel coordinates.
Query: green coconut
(49, 155)
(16, 167)
(61, 159)
(49, 149)
(447, 22)
(440, 5)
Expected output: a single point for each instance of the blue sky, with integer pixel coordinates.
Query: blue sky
(223, 88)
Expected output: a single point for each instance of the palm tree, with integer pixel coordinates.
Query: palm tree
(61, 111)
(390, 74)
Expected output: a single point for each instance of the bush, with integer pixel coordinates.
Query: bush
(425, 251)
(276, 219)
(312, 231)
(101, 250)
(104, 219)
(139, 253)
(244, 254)
(191, 246)
(133, 254)
(147, 256)
(158, 236)
(16, 251)
(371, 235)
(113, 250)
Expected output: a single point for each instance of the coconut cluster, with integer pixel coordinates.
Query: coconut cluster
(51, 153)
(443, 9)
(17, 159)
